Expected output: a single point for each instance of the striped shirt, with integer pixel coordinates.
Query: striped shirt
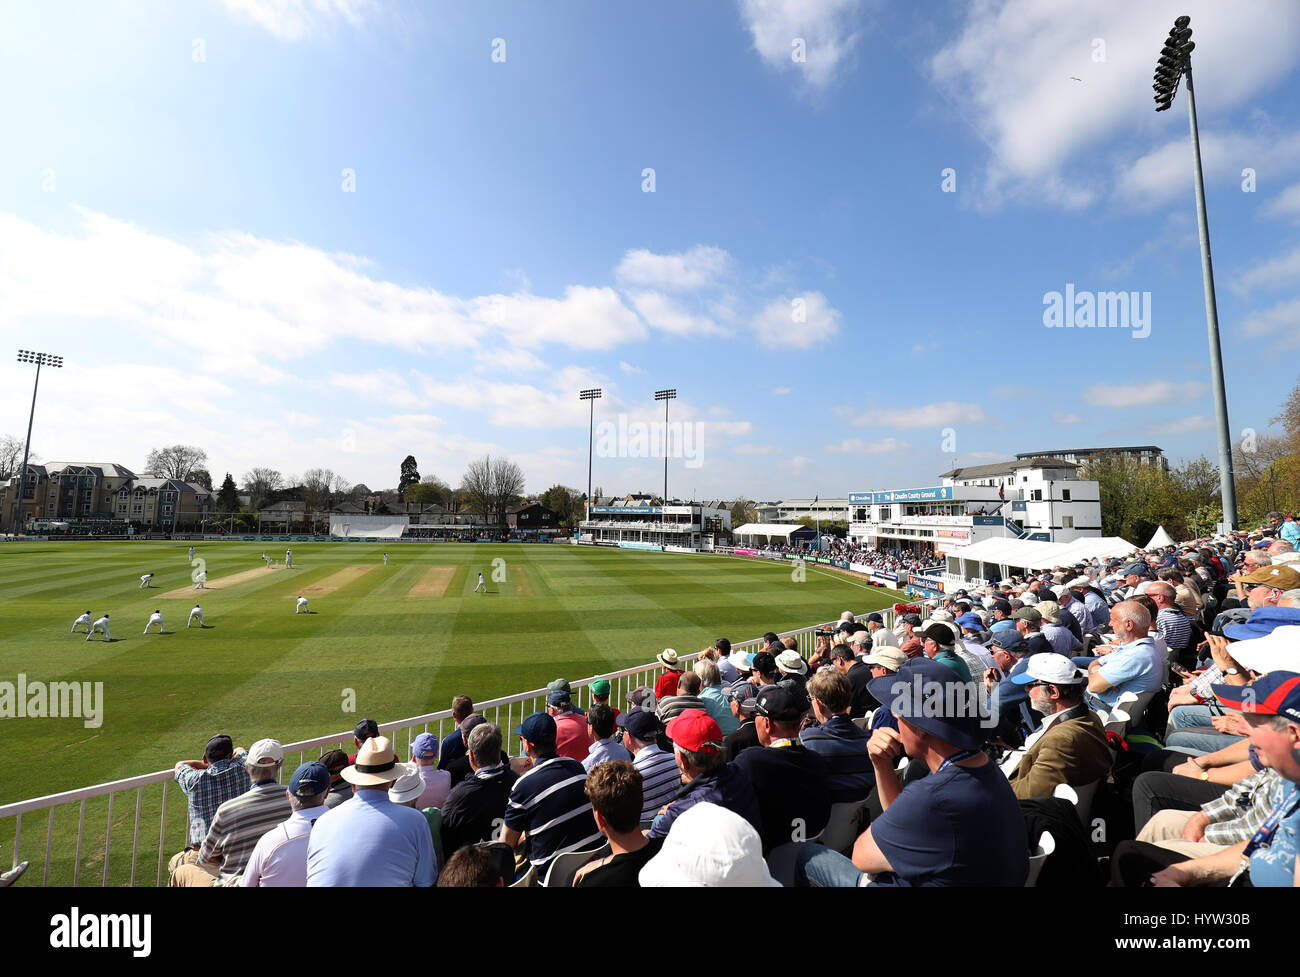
(660, 779)
(1239, 811)
(239, 823)
(1173, 626)
(674, 705)
(209, 788)
(549, 803)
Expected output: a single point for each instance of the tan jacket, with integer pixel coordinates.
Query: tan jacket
(1073, 751)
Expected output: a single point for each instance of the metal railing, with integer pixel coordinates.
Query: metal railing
(163, 835)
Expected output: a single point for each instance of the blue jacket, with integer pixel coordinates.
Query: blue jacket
(844, 746)
(728, 787)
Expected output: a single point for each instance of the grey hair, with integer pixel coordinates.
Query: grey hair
(1290, 598)
(485, 744)
(708, 673)
(297, 803)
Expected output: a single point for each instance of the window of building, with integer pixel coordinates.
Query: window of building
(1036, 495)
(1065, 495)
(1067, 522)
(136, 509)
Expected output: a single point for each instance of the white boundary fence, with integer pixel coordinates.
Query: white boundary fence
(153, 850)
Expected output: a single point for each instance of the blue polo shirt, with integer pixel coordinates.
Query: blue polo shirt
(370, 841)
(1273, 865)
(1133, 667)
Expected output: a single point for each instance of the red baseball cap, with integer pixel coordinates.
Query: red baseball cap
(696, 731)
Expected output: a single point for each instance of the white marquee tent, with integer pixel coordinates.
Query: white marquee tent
(1161, 538)
(769, 531)
(1005, 558)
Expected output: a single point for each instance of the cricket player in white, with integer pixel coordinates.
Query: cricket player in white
(84, 619)
(302, 605)
(100, 625)
(200, 579)
(155, 618)
(267, 559)
(480, 584)
(385, 559)
(191, 554)
(288, 559)
(145, 579)
(197, 612)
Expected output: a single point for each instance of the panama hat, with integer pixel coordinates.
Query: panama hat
(668, 658)
(376, 764)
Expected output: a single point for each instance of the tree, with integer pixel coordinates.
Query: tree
(317, 486)
(176, 461)
(478, 488)
(431, 491)
(228, 497)
(509, 481)
(410, 474)
(360, 492)
(491, 487)
(11, 457)
(201, 477)
(260, 483)
(742, 513)
(565, 502)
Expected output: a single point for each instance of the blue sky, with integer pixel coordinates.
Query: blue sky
(176, 220)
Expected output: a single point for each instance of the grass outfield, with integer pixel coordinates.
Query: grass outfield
(406, 637)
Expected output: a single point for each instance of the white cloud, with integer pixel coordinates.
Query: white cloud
(586, 318)
(780, 391)
(805, 321)
(1144, 393)
(825, 26)
(509, 361)
(1008, 77)
(1285, 204)
(686, 271)
(1065, 420)
(292, 20)
(927, 415)
(629, 369)
(1282, 271)
(1282, 318)
(383, 385)
(1166, 172)
(667, 314)
(856, 446)
(755, 449)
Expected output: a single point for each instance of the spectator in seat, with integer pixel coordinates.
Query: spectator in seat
(722, 658)
(476, 806)
(880, 635)
(838, 739)
(604, 746)
(790, 781)
(712, 848)
(716, 701)
(1070, 746)
(562, 685)
(666, 684)
(279, 859)
(364, 730)
(600, 690)
(1134, 665)
(939, 642)
(437, 783)
(471, 868)
(571, 729)
(208, 783)
(616, 801)
(548, 807)
(961, 825)
(746, 735)
(858, 675)
(660, 778)
(340, 789)
(237, 825)
(453, 745)
(687, 697)
(1171, 623)
(370, 841)
(706, 776)
(1061, 638)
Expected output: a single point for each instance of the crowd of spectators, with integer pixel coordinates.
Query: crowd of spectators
(1163, 689)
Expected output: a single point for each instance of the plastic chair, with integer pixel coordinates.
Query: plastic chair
(564, 867)
(1081, 797)
(844, 826)
(1046, 845)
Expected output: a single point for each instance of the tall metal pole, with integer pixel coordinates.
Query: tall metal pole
(22, 472)
(591, 427)
(1227, 487)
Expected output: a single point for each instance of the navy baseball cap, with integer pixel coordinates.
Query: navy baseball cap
(876, 617)
(366, 729)
(310, 779)
(1008, 639)
(1274, 694)
(1262, 621)
(538, 727)
(641, 724)
(1002, 605)
(558, 698)
(1138, 568)
(780, 703)
(218, 748)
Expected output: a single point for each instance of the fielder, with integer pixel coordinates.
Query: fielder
(302, 606)
(145, 580)
(100, 625)
(480, 583)
(197, 612)
(155, 618)
(84, 619)
(191, 554)
(288, 559)
(385, 559)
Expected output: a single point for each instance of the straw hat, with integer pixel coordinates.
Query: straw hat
(376, 764)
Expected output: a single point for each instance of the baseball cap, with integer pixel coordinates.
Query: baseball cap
(695, 731)
(1051, 667)
(366, 729)
(559, 685)
(912, 619)
(641, 724)
(943, 632)
(876, 617)
(1008, 639)
(860, 638)
(1276, 651)
(1262, 621)
(310, 779)
(1280, 577)
(469, 722)
(642, 697)
(780, 703)
(334, 760)
(264, 753)
(1001, 605)
(600, 687)
(538, 727)
(1138, 568)
(1029, 614)
(1274, 694)
(425, 746)
(559, 698)
(219, 748)
(887, 657)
